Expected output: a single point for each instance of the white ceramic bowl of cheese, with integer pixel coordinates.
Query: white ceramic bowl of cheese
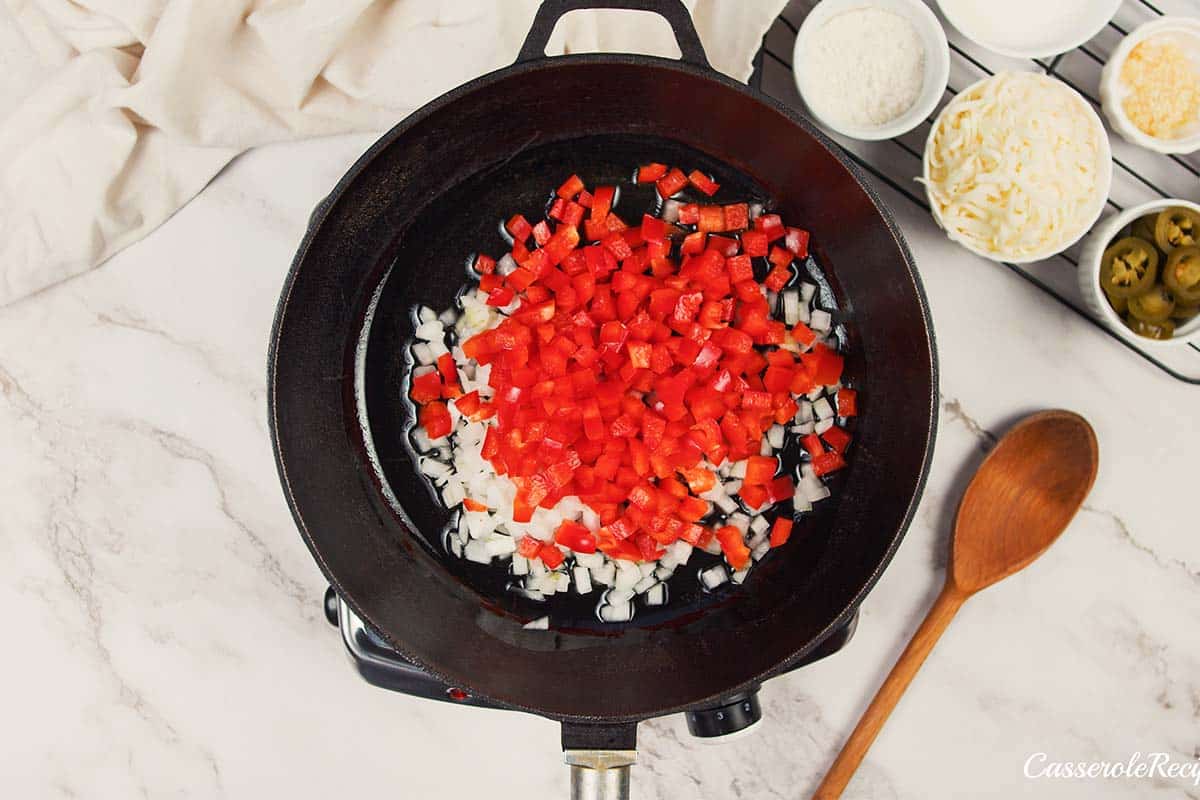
(1088, 276)
(935, 77)
(1112, 91)
(1096, 194)
(1028, 28)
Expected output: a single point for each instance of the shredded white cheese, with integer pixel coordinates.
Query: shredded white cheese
(1017, 166)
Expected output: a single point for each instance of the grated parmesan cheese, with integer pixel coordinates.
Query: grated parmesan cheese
(1163, 89)
(1017, 166)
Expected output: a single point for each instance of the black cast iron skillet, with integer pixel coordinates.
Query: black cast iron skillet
(397, 231)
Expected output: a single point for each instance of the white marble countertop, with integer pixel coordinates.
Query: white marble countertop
(164, 618)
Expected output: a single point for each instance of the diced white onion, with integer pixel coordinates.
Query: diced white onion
(714, 576)
(423, 354)
(739, 469)
(590, 560)
(498, 545)
(506, 265)
(618, 596)
(814, 490)
(644, 584)
(583, 580)
(430, 330)
(821, 321)
(823, 425)
(434, 468)
(765, 448)
(732, 487)
(627, 578)
(605, 575)
(617, 613)
(520, 564)
(727, 504)
(759, 524)
(758, 538)
(646, 568)
(808, 291)
(760, 550)
(670, 211)
(657, 595)
(822, 408)
(791, 307)
(663, 572)
(477, 551)
(453, 494)
(426, 314)
(740, 575)
(539, 624)
(740, 521)
(800, 501)
(775, 436)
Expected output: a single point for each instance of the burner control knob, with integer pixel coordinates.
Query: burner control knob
(331, 606)
(734, 714)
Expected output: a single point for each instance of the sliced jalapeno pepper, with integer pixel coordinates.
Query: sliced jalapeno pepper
(1155, 305)
(1176, 227)
(1143, 227)
(1119, 304)
(1152, 330)
(1128, 268)
(1182, 274)
(1183, 313)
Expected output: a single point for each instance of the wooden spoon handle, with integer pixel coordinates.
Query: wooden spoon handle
(944, 608)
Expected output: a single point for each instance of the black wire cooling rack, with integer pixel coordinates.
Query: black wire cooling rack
(1138, 175)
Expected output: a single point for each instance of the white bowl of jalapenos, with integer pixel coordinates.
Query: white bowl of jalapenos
(1140, 272)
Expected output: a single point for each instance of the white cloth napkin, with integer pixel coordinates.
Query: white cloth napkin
(117, 112)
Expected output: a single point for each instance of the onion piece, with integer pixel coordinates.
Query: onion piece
(823, 425)
(644, 584)
(759, 524)
(617, 613)
(539, 624)
(431, 330)
(822, 408)
(791, 307)
(426, 314)
(583, 580)
(713, 577)
(775, 436)
(656, 595)
(821, 321)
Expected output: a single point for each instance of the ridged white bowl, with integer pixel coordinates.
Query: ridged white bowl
(1088, 276)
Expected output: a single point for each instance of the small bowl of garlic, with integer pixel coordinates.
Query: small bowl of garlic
(1150, 87)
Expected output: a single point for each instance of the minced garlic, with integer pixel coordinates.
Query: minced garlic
(1163, 89)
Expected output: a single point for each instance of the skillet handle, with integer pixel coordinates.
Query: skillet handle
(600, 774)
(673, 11)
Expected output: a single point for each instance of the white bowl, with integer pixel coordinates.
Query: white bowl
(1100, 192)
(1078, 29)
(1088, 276)
(1110, 92)
(937, 63)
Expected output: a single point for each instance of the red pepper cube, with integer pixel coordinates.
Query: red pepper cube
(754, 496)
(653, 228)
(541, 233)
(519, 227)
(651, 172)
(778, 278)
(828, 462)
(734, 548)
(615, 243)
(771, 225)
(703, 182)
(556, 209)
(847, 402)
(812, 445)
(781, 531)
(711, 219)
(426, 387)
(781, 488)
(737, 216)
(551, 556)
(692, 509)
(837, 438)
(671, 183)
(602, 200)
(755, 243)
(759, 470)
(571, 187)
(803, 335)
(434, 417)
(689, 214)
(796, 240)
(573, 214)
(485, 265)
(500, 296)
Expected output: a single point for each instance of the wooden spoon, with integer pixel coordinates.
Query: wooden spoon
(1020, 500)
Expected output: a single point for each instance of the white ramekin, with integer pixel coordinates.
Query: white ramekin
(1086, 25)
(1088, 276)
(1110, 86)
(1101, 192)
(937, 63)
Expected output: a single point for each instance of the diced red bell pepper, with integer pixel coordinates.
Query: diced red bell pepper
(837, 438)
(812, 444)
(759, 470)
(426, 387)
(781, 531)
(651, 172)
(575, 536)
(672, 182)
(781, 488)
(754, 496)
(571, 187)
(703, 182)
(847, 402)
(653, 228)
(551, 556)
(796, 240)
(434, 417)
(733, 546)
(484, 264)
(519, 227)
(737, 216)
(755, 243)
(500, 296)
(528, 546)
(828, 462)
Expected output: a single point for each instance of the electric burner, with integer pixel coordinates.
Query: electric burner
(380, 665)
